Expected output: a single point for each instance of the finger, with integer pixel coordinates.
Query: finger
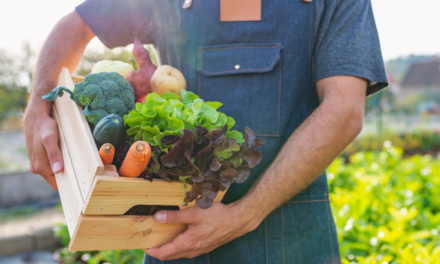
(308, 1)
(50, 140)
(42, 167)
(186, 216)
(52, 182)
(168, 251)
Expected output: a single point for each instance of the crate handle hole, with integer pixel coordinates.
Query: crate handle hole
(149, 209)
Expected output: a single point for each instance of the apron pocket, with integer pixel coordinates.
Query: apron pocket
(246, 78)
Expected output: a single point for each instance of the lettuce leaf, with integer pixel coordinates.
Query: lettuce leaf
(167, 114)
(208, 160)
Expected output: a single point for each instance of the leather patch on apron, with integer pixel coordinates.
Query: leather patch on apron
(240, 10)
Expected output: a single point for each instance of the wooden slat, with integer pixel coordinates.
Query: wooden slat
(71, 198)
(79, 139)
(110, 173)
(115, 195)
(110, 168)
(122, 232)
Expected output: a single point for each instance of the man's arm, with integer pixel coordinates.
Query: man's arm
(307, 153)
(313, 146)
(63, 48)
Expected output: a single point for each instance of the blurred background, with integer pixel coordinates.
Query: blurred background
(385, 187)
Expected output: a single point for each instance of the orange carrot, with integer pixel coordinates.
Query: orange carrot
(107, 153)
(136, 160)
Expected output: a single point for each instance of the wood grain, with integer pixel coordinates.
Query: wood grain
(115, 195)
(82, 148)
(122, 232)
(70, 194)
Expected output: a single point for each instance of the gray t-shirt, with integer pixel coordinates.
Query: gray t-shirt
(345, 35)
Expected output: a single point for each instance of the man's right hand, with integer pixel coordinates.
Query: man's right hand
(41, 132)
(63, 48)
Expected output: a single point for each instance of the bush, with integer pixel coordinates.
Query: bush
(409, 142)
(387, 208)
(63, 255)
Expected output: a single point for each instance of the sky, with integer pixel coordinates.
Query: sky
(405, 26)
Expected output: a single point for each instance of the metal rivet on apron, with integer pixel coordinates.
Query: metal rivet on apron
(237, 67)
(187, 4)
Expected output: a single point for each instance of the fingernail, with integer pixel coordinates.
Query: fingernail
(56, 167)
(161, 217)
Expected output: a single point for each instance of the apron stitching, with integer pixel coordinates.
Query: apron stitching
(310, 41)
(200, 85)
(279, 104)
(182, 31)
(265, 237)
(207, 254)
(279, 96)
(311, 201)
(200, 80)
(314, 92)
(152, 261)
(330, 232)
(282, 233)
(242, 47)
(193, 261)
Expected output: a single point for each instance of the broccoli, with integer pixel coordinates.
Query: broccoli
(101, 94)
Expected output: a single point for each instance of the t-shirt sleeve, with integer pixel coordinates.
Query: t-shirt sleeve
(347, 43)
(117, 22)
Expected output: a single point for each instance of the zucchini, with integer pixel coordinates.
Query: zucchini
(111, 130)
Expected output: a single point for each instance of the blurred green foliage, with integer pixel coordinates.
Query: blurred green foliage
(13, 100)
(63, 255)
(387, 207)
(13, 91)
(410, 142)
(17, 213)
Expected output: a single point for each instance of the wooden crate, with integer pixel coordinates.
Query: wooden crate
(94, 197)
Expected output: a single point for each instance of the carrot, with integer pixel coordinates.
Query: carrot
(136, 160)
(107, 153)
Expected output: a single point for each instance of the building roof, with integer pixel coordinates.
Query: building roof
(423, 74)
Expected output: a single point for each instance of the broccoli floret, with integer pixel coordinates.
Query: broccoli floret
(94, 115)
(107, 91)
(101, 94)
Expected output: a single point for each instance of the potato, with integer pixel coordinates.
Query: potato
(167, 79)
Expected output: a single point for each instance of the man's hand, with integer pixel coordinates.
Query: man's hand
(207, 229)
(41, 132)
(63, 48)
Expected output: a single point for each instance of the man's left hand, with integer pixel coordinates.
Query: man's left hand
(207, 229)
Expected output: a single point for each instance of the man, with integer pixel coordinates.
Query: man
(294, 71)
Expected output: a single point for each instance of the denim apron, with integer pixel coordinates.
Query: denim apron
(261, 71)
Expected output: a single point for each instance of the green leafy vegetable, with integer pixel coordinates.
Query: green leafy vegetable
(167, 115)
(101, 94)
(207, 160)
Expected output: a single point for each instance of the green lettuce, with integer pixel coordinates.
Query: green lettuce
(167, 115)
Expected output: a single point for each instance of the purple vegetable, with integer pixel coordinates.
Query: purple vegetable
(140, 77)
